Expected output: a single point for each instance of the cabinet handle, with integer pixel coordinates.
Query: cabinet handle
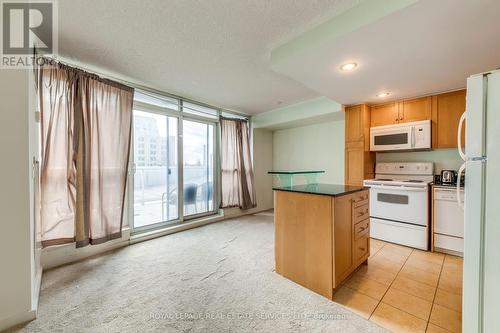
(361, 229)
(363, 213)
(361, 248)
(359, 199)
(400, 118)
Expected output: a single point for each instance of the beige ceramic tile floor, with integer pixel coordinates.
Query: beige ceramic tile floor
(406, 290)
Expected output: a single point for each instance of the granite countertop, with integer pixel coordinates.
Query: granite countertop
(333, 190)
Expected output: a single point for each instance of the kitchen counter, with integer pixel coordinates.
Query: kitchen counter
(333, 190)
(322, 234)
(452, 187)
(447, 186)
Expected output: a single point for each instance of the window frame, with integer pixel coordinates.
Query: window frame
(180, 116)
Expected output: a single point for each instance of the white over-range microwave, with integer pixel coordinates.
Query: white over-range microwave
(405, 136)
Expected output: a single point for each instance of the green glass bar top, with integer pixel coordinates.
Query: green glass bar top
(274, 172)
(286, 177)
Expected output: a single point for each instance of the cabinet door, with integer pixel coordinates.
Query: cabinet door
(354, 123)
(303, 239)
(354, 165)
(343, 231)
(415, 109)
(384, 114)
(446, 112)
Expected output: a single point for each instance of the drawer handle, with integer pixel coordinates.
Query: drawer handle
(361, 199)
(363, 213)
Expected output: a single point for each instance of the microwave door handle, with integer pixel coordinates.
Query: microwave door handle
(413, 136)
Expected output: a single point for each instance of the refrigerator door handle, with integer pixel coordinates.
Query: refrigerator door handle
(459, 135)
(460, 171)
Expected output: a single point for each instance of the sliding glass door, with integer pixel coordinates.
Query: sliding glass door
(174, 162)
(155, 169)
(198, 167)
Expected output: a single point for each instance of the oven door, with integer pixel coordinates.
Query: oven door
(400, 203)
(391, 138)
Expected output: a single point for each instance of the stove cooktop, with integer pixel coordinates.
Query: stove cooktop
(398, 182)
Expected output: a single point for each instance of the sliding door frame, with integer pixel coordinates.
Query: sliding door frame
(215, 180)
(180, 116)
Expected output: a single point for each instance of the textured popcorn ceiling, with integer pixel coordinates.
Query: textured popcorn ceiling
(427, 47)
(216, 51)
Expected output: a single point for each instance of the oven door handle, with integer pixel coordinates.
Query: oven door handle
(398, 188)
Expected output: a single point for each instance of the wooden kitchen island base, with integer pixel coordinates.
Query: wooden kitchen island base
(321, 234)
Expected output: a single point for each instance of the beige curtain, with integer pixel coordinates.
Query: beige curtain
(107, 119)
(86, 129)
(237, 183)
(57, 88)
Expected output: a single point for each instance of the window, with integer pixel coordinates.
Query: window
(155, 185)
(165, 191)
(199, 110)
(156, 100)
(198, 148)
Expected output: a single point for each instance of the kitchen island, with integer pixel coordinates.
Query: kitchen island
(321, 233)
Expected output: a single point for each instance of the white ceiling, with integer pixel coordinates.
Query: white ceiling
(427, 47)
(213, 51)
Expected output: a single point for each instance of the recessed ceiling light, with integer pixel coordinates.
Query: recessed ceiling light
(383, 94)
(348, 67)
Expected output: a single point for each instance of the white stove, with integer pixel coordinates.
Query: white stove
(399, 203)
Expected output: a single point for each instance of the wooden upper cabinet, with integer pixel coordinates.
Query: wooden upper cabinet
(405, 111)
(354, 130)
(384, 114)
(446, 112)
(415, 109)
(358, 158)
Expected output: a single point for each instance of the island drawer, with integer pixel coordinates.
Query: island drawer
(361, 213)
(361, 248)
(362, 229)
(361, 198)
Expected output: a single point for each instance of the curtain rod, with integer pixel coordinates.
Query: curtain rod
(142, 87)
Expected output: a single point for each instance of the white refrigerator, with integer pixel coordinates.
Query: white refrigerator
(481, 280)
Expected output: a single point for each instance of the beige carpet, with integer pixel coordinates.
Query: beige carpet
(217, 278)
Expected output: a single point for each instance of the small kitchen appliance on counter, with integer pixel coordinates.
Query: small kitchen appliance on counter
(448, 177)
(438, 180)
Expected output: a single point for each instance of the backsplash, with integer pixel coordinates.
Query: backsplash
(442, 158)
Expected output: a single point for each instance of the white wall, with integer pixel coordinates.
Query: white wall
(16, 245)
(263, 163)
(317, 147)
(442, 158)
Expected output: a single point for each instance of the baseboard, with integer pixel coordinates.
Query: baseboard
(230, 213)
(64, 254)
(176, 228)
(17, 319)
